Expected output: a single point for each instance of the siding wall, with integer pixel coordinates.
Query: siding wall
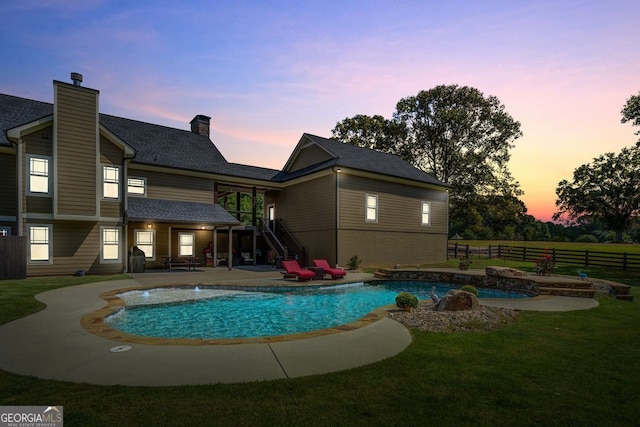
(175, 187)
(76, 246)
(398, 237)
(113, 155)
(39, 144)
(75, 135)
(308, 212)
(309, 156)
(8, 189)
(399, 206)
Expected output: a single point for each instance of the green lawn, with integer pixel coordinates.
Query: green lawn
(575, 368)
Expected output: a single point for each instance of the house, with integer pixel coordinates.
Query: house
(86, 187)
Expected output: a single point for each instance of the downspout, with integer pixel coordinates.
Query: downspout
(338, 170)
(20, 180)
(230, 253)
(125, 206)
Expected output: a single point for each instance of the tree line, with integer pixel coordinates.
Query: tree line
(463, 138)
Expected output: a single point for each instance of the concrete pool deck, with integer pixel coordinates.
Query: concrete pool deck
(52, 343)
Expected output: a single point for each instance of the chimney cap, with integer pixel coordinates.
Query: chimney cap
(76, 78)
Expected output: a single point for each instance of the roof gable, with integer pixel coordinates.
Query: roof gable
(15, 111)
(351, 156)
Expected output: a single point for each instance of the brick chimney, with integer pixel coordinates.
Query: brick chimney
(200, 125)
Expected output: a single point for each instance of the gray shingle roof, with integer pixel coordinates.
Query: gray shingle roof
(182, 149)
(153, 144)
(350, 156)
(15, 111)
(143, 209)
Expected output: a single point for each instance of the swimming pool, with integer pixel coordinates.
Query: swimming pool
(217, 313)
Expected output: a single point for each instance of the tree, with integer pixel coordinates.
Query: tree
(373, 132)
(631, 111)
(608, 189)
(460, 137)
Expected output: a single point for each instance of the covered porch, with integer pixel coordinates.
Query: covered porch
(180, 234)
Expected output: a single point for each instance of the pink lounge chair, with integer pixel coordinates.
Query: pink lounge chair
(292, 269)
(336, 273)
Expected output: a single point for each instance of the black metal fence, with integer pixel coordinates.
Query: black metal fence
(586, 258)
(13, 257)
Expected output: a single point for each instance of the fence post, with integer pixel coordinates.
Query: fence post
(586, 258)
(467, 252)
(455, 250)
(553, 255)
(524, 253)
(489, 251)
(624, 260)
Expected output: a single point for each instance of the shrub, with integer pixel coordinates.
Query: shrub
(354, 263)
(406, 299)
(470, 289)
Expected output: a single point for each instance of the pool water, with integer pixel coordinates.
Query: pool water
(214, 313)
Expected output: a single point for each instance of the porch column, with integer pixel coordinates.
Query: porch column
(230, 259)
(214, 253)
(254, 222)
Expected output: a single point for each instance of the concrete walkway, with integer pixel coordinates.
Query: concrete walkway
(52, 344)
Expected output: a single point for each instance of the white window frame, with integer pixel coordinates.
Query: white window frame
(189, 249)
(107, 241)
(46, 242)
(137, 187)
(38, 175)
(371, 209)
(109, 182)
(425, 214)
(144, 245)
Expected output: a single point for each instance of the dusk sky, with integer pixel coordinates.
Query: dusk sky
(268, 71)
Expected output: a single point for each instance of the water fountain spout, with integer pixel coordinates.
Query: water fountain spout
(145, 294)
(197, 289)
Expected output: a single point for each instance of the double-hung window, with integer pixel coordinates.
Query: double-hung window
(426, 213)
(186, 244)
(146, 242)
(137, 186)
(39, 244)
(110, 244)
(111, 182)
(371, 208)
(39, 172)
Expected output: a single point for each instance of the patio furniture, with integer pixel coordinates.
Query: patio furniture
(190, 262)
(336, 273)
(292, 269)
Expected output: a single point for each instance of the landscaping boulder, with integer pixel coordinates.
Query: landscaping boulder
(457, 300)
(504, 272)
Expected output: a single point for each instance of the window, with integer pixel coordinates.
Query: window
(110, 243)
(39, 243)
(426, 213)
(146, 242)
(38, 175)
(137, 186)
(372, 208)
(186, 244)
(110, 182)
